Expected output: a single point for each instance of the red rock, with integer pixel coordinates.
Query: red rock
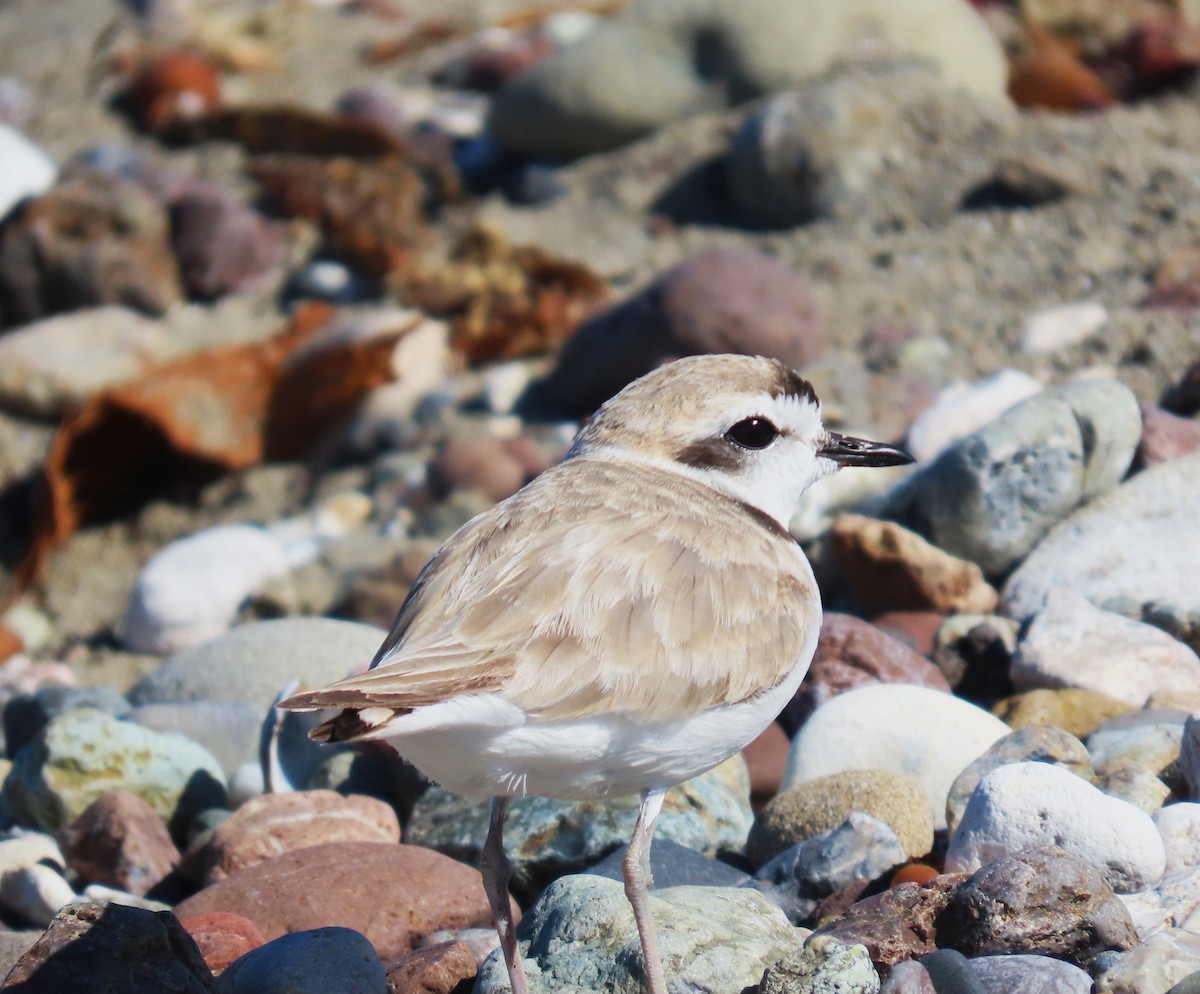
(393, 894)
(120, 841)
(1165, 436)
(173, 86)
(852, 652)
(273, 824)
(765, 758)
(916, 629)
(433, 970)
(222, 937)
(914, 873)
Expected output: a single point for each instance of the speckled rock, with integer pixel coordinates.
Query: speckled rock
(872, 728)
(316, 961)
(85, 754)
(823, 966)
(963, 408)
(1078, 712)
(1162, 960)
(815, 806)
(580, 934)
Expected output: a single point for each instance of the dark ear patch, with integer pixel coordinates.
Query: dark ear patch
(792, 384)
(710, 453)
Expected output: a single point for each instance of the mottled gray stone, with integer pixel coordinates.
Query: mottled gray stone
(1023, 973)
(1110, 423)
(227, 729)
(673, 865)
(27, 714)
(824, 965)
(1149, 738)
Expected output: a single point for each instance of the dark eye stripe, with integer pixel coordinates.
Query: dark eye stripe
(753, 433)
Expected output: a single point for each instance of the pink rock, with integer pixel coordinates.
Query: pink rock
(222, 937)
(1165, 436)
(433, 970)
(916, 629)
(121, 842)
(765, 758)
(496, 467)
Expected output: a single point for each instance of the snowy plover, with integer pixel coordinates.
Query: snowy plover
(630, 619)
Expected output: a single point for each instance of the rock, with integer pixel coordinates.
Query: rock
(1172, 902)
(922, 733)
(963, 408)
(29, 849)
(994, 494)
(815, 806)
(34, 894)
(1135, 785)
(92, 947)
(893, 569)
(55, 363)
(26, 715)
(277, 823)
(414, 892)
(222, 246)
(1076, 711)
(121, 841)
(173, 85)
(92, 240)
(312, 962)
(580, 934)
(1071, 643)
(731, 300)
(227, 729)
(1165, 436)
(546, 837)
(27, 170)
(854, 653)
(822, 964)
(1129, 550)
(1179, 826)
(1162, 960)
(1149, 739)
(951, 972)
(861, 848)
(1061, 327)
(432, 970)
(497, 467)
(253, 662)
(884, 134)
(1040, 900)
(222, 938)
(1022, 805)
(916, 629)
(1033, 743)
(908, 977)
(1189, 755)
(481, 942)
(673, 865)
(693, 58)
(1017, 973)
(83, 755)
(974, 652)
(1188, 985)
(765, 759)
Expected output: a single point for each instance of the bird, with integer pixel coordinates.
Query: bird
(628, 620)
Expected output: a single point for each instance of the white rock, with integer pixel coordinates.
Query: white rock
(1154, 966)
(36, 893)
(1060, 327)
(925, 734)
(50, 365)
(1072, 644)
(110, 895)
(1179, 826)
(192, 589)
(966, 407)
(29, 849)
(25, 170)
(1020, 805)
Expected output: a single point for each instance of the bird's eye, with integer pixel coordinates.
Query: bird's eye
(753, 433)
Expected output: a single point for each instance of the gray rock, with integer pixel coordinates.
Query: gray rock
(1134, 785)
(580, 935)
(1149, 739)
(1163, 959)
(1172, 902)
(1021, 973)
(824, 965)
(227, 729)
(27, 714)
(1132, 550)
(85, 754)
(686, 56)
(673, 865)
(546, 837)
(1189, 755)
(951, 973)
(1033, 743)
(1110, 423)
(253, 662)
(1188, 985)
(318, 961)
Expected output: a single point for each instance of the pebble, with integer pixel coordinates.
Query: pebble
(802, 812)
(35, 894)
(25, 849)
(951, 973)
(111, 947)
(1039, 900)
(726, 300)
(1110, 422)
(413, 892)
(873, 727)
(1061, 327)
(119, 840)
(822, 964)
(854, 653)
(27, 171)
(497, 467)
(673, 865)
(254, 661)
(765, 759)
(1078, 712)
(545, 837)
(27, 714)
(1071, 643)
(1019, 973)
(569, 104)
(1189, 755)
(916, 629)
(227, 729)
(1165, 436)
(908, 977)
(435, 969)
(974, 652)
(963, 408)
(277, 823)
(1020, 805)
(83, 755)
(174, 85)
(1135, 785)
(1179, 826)
(712, 939)
(1149, 739)
(1033, 743)
(1128, 548)
(893, 569)
(222, 937)
(316, 961)
(1159, 962)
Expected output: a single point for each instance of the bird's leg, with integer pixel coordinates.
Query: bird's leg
(637, 888)
(497, 871)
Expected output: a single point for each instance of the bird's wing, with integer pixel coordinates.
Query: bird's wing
(599, 588)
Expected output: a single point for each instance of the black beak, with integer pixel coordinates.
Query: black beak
(846, 450)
